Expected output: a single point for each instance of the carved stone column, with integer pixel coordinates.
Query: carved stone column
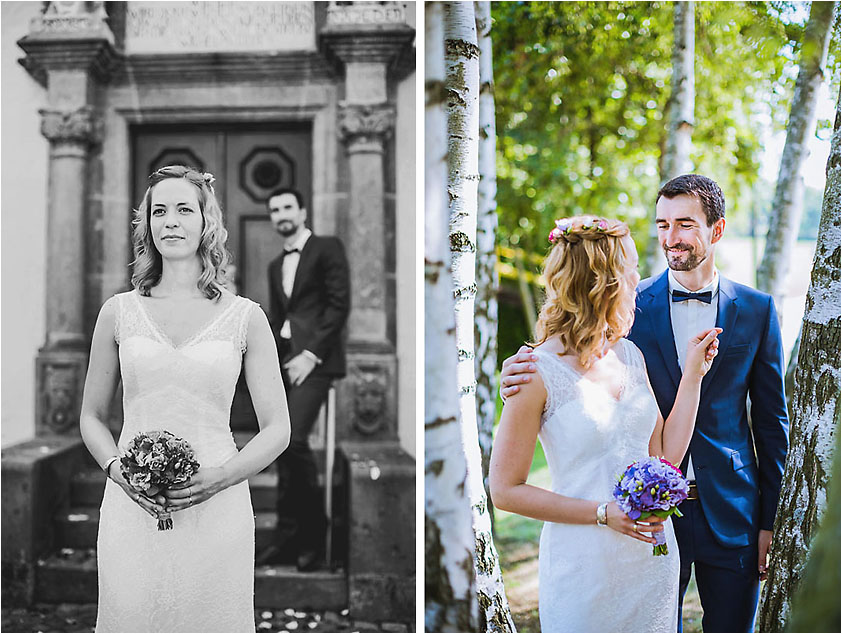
(366, 38)
(69, 50)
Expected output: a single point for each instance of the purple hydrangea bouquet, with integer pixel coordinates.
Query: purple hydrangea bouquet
(156, 460)
(652, 487)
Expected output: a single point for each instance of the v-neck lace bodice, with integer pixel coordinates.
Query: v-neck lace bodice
(164, 337)
(186, 388)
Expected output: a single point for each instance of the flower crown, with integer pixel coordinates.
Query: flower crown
(208, 178)
(564, 226)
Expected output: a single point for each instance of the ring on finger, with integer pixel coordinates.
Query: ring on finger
(634, 528)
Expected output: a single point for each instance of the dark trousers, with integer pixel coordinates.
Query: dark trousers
(727, 578)
(301, 518)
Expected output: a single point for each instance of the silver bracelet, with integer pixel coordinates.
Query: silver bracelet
(602, 514)
(108, 464)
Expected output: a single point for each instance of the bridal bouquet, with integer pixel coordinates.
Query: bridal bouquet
(651, 487)
(156, 460)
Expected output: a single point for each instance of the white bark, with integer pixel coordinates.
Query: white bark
(679, 142)
(462, 85)
(449, 538)
(487, 280)
(788, 202)
(816, 410)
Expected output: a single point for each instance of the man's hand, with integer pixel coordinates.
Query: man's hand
(517, 369)
(299, 368)
(764, 542)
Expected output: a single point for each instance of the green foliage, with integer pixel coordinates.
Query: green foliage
(581, 90)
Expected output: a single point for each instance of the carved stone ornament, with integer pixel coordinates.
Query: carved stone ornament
(370, 400)
(61, 385)
(366, 125)
(340, 13)
(69, 126)
(72, 17)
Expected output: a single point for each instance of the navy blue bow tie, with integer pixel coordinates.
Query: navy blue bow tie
(681, 296)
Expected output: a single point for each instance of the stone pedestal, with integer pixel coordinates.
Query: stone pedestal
(36, 484)
(69, 49)
(381, 558)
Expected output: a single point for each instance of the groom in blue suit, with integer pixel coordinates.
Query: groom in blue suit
(735, 468)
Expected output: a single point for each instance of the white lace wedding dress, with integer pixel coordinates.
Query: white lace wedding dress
(592, 578)
(199, 576)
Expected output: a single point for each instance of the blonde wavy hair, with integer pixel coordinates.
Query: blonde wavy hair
(589, 296)
(147, 265)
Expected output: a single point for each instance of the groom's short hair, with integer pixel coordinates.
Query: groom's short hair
(280, 191)
(703, 188)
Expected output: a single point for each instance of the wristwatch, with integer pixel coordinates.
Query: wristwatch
(108, 464)
(601, 514)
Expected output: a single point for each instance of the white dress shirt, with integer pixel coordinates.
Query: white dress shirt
(288, 269)
(689, 318)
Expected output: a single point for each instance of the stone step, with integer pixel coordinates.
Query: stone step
(72, 578)
(77, 528)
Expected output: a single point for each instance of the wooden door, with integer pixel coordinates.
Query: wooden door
(248, 161)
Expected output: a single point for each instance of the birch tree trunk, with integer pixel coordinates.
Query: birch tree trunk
(816, 413)
(449, 587)
(681, 108)
(462, 87)
(485, 317)
(816, 605)
(788, 202)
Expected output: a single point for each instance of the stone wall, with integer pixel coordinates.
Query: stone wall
(23, 248)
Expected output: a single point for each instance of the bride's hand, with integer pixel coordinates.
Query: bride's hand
(204, 484)
(146, 503)
(701, 351)
(622, 523)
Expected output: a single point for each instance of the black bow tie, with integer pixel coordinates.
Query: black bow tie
(288, 251)
(681, 296)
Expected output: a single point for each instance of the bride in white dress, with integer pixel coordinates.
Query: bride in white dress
(178, 342)
(593, 409)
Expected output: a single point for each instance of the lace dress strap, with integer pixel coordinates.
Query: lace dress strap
(635, 364)
(248, 306)
(127, 320)
(232, 324)
(559, 380)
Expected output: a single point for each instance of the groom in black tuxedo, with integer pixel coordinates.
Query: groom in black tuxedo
(735, 468)
(309, 296)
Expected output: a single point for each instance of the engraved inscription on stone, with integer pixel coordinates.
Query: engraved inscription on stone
(194, 27)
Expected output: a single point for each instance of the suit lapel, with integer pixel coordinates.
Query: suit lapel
(304, 262)
(726, 317)
(655, 304)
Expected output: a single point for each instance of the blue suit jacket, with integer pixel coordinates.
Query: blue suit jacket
(738, 469)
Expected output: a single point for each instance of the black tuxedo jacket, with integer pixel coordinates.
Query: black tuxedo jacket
(319, 304)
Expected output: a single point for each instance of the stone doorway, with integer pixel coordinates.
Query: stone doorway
(248, 162)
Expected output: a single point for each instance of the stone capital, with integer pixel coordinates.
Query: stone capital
(366, 128)
(79, 126)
